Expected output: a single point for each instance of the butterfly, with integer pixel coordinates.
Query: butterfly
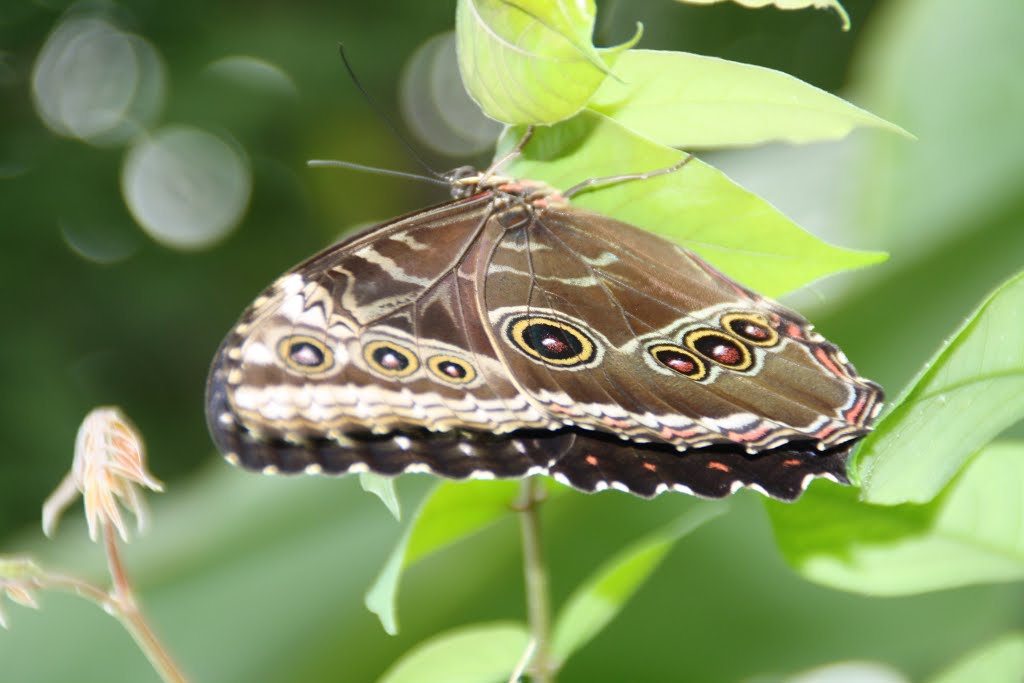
(508, 333)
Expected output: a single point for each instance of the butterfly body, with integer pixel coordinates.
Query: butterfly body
(508, 333)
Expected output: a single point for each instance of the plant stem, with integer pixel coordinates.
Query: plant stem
(73, 585)
(542, 668)
(128, 612)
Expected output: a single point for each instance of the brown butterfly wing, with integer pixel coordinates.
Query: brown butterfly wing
(364, 353)
(408, 349)
(617, 331)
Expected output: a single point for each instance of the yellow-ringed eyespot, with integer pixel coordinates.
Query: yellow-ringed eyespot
(680, 360)
(305, 354)
(390, 359)
(751, 327)
(720, 348)
(451, 369)
(552, 341)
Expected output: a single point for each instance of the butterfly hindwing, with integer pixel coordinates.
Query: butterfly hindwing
(618, 330)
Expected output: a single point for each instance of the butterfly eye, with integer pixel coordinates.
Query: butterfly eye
(305, 354)
(390, 359)
(720, 348)
(451, 369)
(551, 341)
(751, 328)
(680, 360)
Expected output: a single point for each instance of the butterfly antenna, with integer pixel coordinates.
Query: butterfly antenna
(387, 121)
(330, 163)
(612, 180)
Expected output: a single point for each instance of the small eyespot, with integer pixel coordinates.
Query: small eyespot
(390, 359)
(751, 328)
(720, 348)
(451, 369)
(680, 360)
(549, 340)
(305, 354)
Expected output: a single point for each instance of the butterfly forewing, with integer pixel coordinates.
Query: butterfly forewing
(499, 335)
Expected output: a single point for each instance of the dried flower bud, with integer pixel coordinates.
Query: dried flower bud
(18, 580)
(109, 464)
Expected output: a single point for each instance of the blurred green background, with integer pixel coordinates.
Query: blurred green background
(124, 264)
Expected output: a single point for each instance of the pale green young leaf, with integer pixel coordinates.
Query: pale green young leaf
(969, 392)
(594, 604)
(482, 653)
(696, 102)
(973, 533)
(786, 4)
(1001, 661)
(384, 488)
(530, 61)
(453, 510)
(698, 206)
(848, 671)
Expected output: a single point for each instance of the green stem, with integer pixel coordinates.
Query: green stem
(128, 612)
(542, 668)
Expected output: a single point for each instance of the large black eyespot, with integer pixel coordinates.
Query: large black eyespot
(552, 341)
(390, 359)
(680, 360)
(451, 369)
(751, 328)
(305, 354)
(720, 348)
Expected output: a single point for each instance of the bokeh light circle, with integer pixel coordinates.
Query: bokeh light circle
(435, 104)
(94, 82)
(186, 187)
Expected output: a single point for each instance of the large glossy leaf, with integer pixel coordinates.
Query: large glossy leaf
(973, 533)
(530, 61)
(482, 653)
(697, 102)
(594, 604)
(786, 4)
(697, 206)
(1001, 661)
(970, 391)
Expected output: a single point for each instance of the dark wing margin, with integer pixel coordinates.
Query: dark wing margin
(585, 460)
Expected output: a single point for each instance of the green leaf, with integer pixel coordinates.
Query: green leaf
(593, 605)
(973, 533)
(1001, 661)
(452, 511)
(970, 391)
(699, 207)
(530, 61)
(695, 102)
(786, 4)
(850, 671)
(482, 653)
(384, 488)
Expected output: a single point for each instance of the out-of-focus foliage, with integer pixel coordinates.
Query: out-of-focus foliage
(100, 310)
